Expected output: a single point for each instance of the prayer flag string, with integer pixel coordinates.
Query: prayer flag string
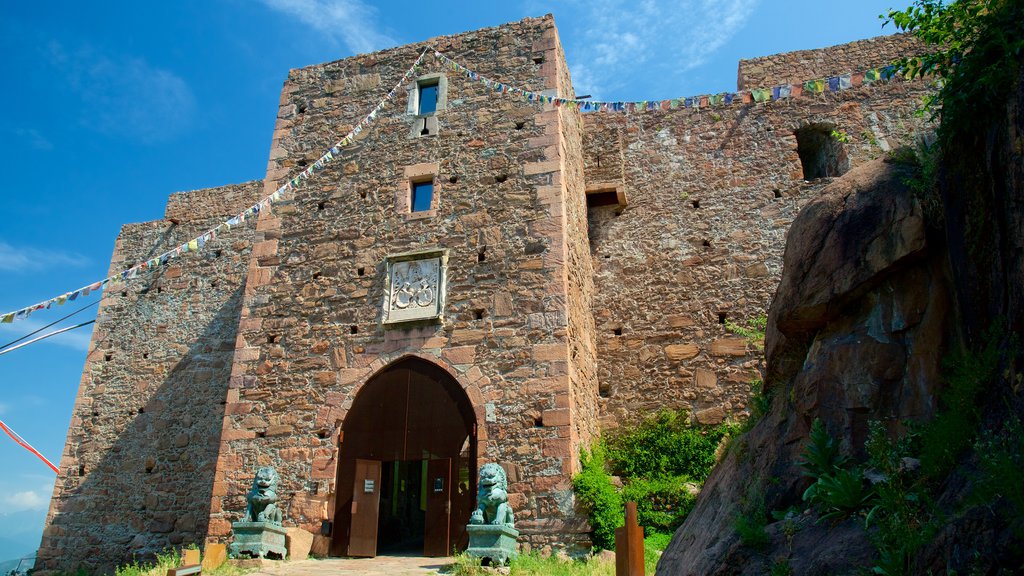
(755, 96)
(197, 243)
(21, 442)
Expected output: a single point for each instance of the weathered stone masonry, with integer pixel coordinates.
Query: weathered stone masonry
(591, 261)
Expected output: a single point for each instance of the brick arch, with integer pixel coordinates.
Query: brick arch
(471, 380)
(407, 407)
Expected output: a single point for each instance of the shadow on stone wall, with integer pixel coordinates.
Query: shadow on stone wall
(151, 489)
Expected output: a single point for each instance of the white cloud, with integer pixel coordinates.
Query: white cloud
(616, 41)
(26, 500)
(29, 259)
(346, 22)
(77, 339)
(125, 96)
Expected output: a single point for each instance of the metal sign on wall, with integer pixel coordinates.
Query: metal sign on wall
(415, 286)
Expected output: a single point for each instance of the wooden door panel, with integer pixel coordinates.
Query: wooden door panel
(437, 529)
(365, 507)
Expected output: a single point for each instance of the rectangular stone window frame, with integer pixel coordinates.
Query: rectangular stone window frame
(605, 194)
(412, 175)
(433, 254)
(426, 124)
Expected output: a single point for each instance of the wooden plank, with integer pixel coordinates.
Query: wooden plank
(629, 545)
(437, 525)
(365, 508)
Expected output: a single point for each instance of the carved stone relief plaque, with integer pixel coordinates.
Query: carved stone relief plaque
(415, 289)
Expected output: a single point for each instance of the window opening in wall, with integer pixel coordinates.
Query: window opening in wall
(605, 198)
(706, 243)
(478, 314)
(361, 271)
(721, 317)
(821, 154)
(422, 195)
(354, 330)
(427, 97)
(696, 203)
(777, 193)
(482, 254)
(617, 331)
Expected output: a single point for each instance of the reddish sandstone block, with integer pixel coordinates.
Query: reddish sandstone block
(557, 417)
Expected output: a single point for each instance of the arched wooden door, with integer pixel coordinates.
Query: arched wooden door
(407, 466)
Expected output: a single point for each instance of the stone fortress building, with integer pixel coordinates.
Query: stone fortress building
(477, 279)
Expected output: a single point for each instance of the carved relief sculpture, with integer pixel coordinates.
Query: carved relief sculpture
(415, 287)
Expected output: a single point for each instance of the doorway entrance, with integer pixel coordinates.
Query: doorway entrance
(407, 465)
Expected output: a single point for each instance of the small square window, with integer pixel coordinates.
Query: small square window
(422, 195)
(427, 98)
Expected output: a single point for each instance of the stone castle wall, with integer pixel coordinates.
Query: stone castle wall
(710, 196)
(796, 67)
(311, 333)
(562, 317)
(137, 469)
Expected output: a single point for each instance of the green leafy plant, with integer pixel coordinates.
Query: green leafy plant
(662, 503)
(821, 455)
(594, 488)
(840, 136)
(659, 460)
(954, 428)
(975, 51)
(666, 444)
(753, 330)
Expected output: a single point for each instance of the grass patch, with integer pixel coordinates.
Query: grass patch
(534, 564)
(165, 561)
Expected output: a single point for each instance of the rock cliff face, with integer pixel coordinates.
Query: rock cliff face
(877, 289)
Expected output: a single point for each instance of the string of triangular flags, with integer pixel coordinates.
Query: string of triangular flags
(754, 95)
(197, 243)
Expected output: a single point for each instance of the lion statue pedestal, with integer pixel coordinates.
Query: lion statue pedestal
(492, 531)
(260, 534)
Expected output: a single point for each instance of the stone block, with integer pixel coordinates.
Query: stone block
(729, 347)
(299, 543)
(705, 379)
(557, 417)
(214, 555)
(678, 352)
(713, 415)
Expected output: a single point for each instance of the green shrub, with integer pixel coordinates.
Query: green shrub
(666, 444)
(954, 428)
(661, 503)
(976, 49)
(594, 489)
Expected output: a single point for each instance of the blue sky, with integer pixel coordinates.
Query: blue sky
(111, 106)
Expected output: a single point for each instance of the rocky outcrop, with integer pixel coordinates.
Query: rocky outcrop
(876, 291)
(855, 335)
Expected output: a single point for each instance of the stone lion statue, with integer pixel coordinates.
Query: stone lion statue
(492, 498)
(262, 499)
